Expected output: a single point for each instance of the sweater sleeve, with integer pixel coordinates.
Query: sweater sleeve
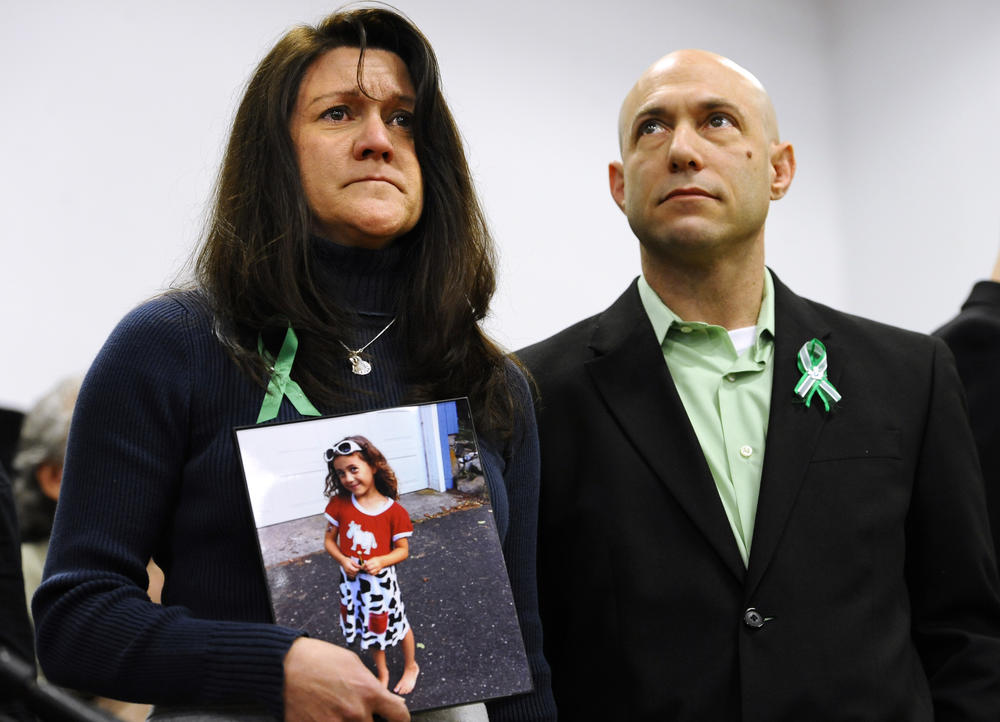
(129, 447)
(521, 478)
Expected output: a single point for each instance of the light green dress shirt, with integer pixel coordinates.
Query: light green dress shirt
(727, 396)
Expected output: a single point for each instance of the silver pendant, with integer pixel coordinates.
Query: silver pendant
(359, 366)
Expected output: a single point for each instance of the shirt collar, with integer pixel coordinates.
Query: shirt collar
(662, 318)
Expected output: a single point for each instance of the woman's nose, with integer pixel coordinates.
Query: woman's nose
(373, 139)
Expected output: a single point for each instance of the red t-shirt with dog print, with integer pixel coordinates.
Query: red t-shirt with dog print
(363, 534)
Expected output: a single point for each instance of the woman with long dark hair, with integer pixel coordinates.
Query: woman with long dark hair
(346, 267)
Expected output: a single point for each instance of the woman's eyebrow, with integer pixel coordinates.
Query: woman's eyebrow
(356, 94)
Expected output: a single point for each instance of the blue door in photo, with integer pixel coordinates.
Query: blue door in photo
(447, 425)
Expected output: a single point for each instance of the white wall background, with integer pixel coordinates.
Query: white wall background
(114, 114)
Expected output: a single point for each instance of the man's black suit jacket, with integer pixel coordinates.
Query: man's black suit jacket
(871, 592)
(974, 338)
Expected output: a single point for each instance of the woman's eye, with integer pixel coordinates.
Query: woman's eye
(402, 119)
(337, 113)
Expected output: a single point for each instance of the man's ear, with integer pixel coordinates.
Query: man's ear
(616, 180)
(782, 169)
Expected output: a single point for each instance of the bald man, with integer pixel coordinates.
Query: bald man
(754, 507)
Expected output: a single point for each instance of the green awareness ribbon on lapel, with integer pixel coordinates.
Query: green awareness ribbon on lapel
(281, 384)
(812, 363)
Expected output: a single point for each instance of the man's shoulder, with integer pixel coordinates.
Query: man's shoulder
(567, 349)
(559, 362)
(557, 346)
(868, 327)
(860, 331)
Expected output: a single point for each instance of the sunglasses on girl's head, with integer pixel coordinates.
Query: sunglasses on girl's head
(342, 448)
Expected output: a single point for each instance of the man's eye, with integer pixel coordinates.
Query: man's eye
(648, 127)
(718, 120)
(337, 113)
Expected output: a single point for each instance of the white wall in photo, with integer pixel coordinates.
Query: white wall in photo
(285, 468)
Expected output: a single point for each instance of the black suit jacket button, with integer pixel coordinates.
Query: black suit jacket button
(753, 619)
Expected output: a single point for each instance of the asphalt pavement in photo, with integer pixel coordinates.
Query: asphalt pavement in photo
(454, 588)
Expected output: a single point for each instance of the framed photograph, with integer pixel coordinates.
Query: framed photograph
(376, 533)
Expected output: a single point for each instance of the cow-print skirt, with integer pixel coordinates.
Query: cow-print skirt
(372, 606)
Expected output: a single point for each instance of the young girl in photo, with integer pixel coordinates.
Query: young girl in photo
(367, 533)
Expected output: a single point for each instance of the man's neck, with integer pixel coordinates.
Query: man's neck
(726, 292)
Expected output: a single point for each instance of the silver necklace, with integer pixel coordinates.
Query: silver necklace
(359, 366)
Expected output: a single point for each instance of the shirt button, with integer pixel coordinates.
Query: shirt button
(753, 619)
(730, 377)
(746, 451)
(685, 329)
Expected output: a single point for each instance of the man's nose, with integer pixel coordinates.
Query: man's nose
(373, 139)
(684, 153)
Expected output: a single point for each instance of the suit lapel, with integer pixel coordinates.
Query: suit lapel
(793, 429)
(635, 384)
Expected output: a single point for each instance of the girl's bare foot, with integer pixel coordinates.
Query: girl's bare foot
(409, 679)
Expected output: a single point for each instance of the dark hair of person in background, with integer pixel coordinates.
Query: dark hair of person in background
(385, 478)
(255, 261)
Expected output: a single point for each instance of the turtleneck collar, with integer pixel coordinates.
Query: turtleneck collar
(365, 280)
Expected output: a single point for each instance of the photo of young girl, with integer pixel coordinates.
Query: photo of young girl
(367, 533)
(333, 521)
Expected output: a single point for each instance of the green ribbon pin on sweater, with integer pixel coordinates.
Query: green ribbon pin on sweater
(281, 384)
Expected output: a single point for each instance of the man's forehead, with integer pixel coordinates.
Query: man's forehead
(713, 75)
(701, 63)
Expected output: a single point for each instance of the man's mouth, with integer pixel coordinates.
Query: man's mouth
(688, 192)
